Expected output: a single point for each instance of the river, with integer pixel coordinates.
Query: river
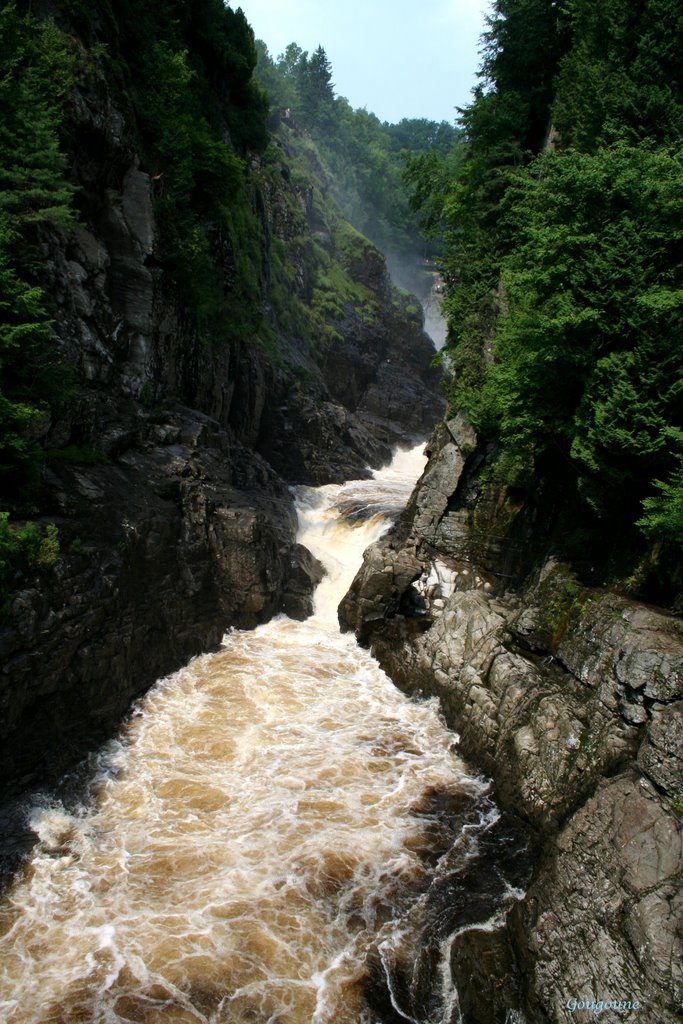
(256, 844)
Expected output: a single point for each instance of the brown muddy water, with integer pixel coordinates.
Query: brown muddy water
(260, 837)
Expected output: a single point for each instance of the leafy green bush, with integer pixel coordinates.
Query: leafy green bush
(27, 548)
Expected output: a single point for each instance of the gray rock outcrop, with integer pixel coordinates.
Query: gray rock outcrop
(570, 699)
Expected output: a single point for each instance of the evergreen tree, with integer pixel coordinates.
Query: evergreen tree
(564, 268)
(37, 73)
(316, 89)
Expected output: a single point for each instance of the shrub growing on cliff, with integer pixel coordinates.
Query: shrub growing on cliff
(27, 548)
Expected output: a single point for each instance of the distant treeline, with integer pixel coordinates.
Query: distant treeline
(363, 157)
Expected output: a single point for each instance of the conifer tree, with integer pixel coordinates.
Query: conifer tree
(33, 191)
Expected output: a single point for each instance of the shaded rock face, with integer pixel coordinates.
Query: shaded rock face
(183, 525)
(187, 533)
(383, 374)
(119, 320)
(571, 700)
(602, 919)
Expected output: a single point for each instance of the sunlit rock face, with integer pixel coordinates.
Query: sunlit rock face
(570, 698)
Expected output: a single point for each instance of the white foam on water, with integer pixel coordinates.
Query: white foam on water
(253, 835)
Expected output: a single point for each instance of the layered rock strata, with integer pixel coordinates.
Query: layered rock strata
(571, 700)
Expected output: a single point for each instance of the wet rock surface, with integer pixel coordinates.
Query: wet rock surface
(569, 698)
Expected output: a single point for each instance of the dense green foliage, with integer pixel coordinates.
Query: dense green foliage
(621, 77)
(29, 547)
(184, 71)
(564, 272)
(37, 73)
(187, 69)
(362, 157)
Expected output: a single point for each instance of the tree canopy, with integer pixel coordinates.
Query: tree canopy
(562, 223)
(37, 74)
(364, 156)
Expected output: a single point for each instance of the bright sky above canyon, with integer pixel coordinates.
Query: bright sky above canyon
(397, 58)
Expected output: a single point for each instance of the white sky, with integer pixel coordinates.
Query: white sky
(397, 58)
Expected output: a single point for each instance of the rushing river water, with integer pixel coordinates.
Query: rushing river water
(258, 841)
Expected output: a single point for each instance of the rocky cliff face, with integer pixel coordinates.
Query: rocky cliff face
(571, 699)
(170, 473)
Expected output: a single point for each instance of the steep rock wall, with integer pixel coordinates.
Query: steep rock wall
(170, 469)
(571, 699)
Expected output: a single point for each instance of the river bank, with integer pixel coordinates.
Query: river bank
(277, 832)
(570, 698)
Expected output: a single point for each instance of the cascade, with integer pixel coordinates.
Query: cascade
(264, 839)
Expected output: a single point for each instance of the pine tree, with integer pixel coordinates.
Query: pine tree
(317, 89)
(33, 191)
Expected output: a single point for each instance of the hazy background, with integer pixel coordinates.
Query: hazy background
(394, 57)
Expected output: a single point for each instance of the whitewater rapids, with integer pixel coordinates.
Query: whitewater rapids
(255, 837)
